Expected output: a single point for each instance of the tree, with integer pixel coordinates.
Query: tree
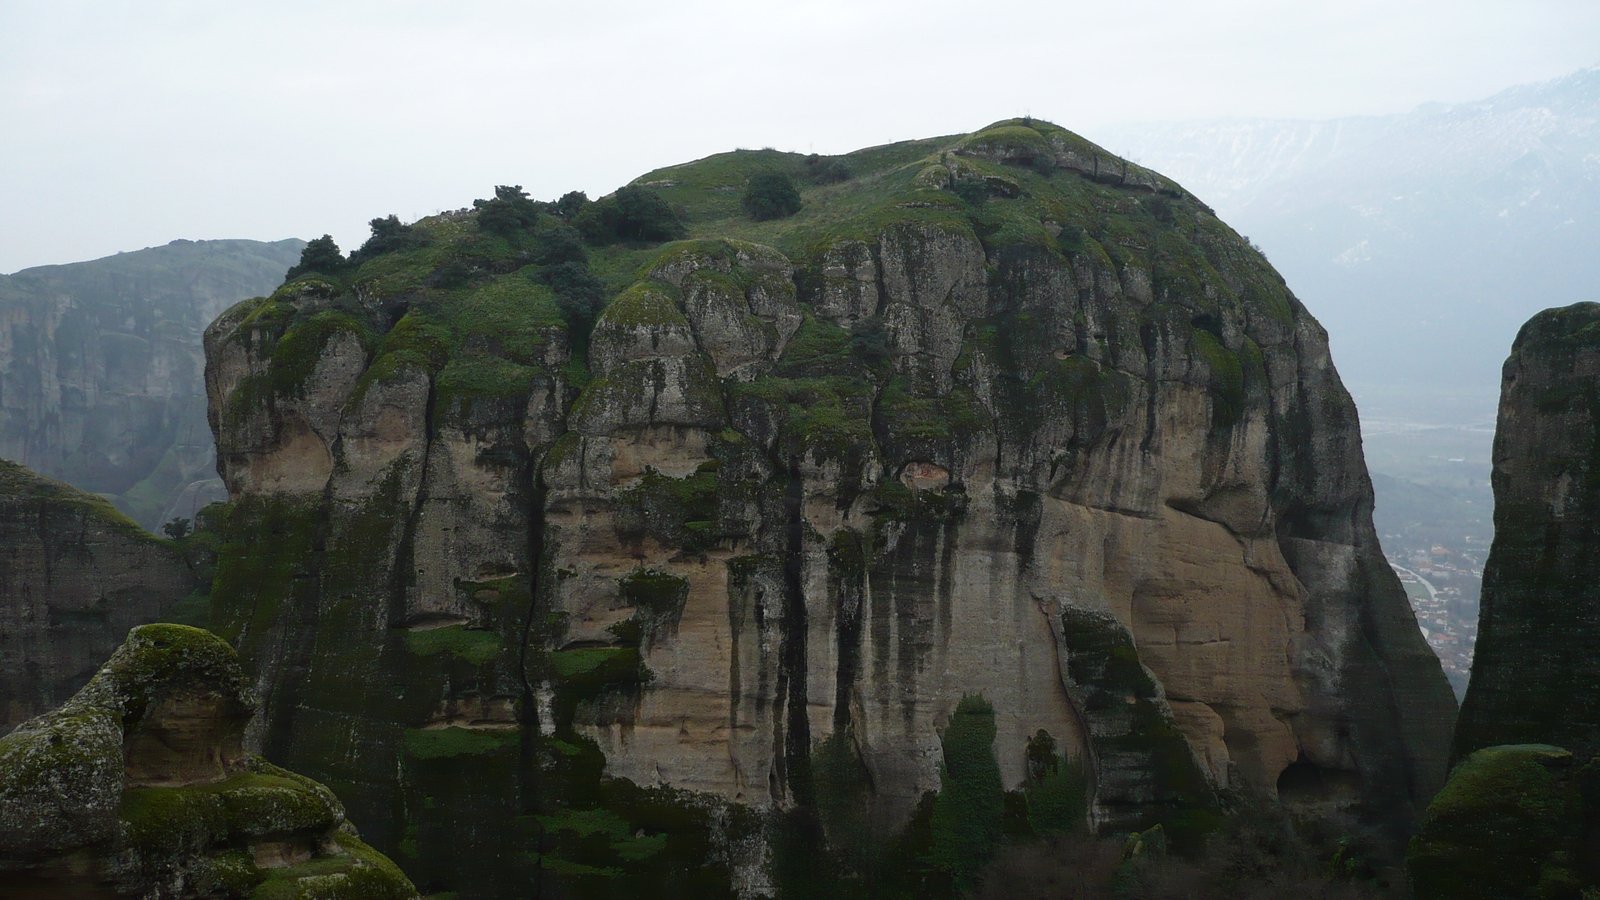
(579, 295)
(508, 212)
(559, 244)
(321, 256)
(389, 235)
(570, 204)
(770, 195)
(971, 803)
(177, 528)
(633, 213)
(826, 169)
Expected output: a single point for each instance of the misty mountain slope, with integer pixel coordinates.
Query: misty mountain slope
(1422, 240)
(101, 367)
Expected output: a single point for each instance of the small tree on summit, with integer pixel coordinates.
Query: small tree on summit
(389, 235)
(321, 256)
(509, 212)
(770, 195)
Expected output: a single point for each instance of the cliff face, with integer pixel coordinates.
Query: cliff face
(998, 414)
(1535, 675)
(139, 786)
(101, 367)
(75, 575)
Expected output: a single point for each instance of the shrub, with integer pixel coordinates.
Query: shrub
(509, 212)
(560, 244)
(631, 214)
(578, 293)
(389, 235)
(971, 801)
(570, 204)
(770, 195)
(321, 256)
(826, 169)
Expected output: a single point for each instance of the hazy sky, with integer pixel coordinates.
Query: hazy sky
(129, 124)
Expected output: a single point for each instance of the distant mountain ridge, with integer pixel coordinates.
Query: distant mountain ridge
(101, 367)
(1421, 240)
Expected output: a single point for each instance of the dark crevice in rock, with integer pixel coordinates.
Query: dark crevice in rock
(403, 578)
(792, 662)
(846, 583)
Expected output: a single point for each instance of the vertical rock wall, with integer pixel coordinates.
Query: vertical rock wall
(1535, 673)
(1005, 417)
(75, 575)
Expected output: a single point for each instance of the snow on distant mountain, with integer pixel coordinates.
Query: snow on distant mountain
(1421, 240)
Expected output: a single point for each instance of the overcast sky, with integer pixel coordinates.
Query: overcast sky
(129, 124)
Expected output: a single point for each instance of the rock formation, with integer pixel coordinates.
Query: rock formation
(1520, 815)
(997, 415)
(1535, 672)
(101, 368)
(139, 786)
(1513, 821)
(75, 575)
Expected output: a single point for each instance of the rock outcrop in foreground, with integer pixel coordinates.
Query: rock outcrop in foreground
(75, 575)
(1520, 815)
(1535, 670)
(998, 414)
(139, 786)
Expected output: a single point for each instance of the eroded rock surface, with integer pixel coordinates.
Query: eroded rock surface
(1001, 415)
(138, 786)
(1535, 672)
(75, 575)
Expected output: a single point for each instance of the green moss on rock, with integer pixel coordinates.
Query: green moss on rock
(1505, 825)
(476, 646)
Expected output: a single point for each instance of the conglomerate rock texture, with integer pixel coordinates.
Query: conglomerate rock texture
(1535, 672)
(139, 786)
(75, 575)
(995, 414)
(101, 368)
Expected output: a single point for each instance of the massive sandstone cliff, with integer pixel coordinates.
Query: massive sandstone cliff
(75, 575)
(101, 368)
(1535, 673)
(998, 414)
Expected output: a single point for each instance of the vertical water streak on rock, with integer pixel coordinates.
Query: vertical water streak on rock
(528, 709)
(299, 634)
(404, 575)
(845, 583)
(797, 731)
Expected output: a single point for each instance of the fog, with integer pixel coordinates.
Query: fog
(130, 125)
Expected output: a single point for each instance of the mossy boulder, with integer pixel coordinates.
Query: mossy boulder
(1507, 824)
(139, 785)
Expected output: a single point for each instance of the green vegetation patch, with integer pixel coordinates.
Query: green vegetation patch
(171, 819)
(647, 304)
(476, 646)
(968, 811)
(295, 355)
(478, 376)
(1504, 825)
(20, 484)
(444, 743)
(828, 417)
(596, 665)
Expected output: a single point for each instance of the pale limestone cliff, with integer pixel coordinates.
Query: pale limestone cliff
(1002, 415)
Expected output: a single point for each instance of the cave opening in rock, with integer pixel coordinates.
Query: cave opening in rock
(1303, 781)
